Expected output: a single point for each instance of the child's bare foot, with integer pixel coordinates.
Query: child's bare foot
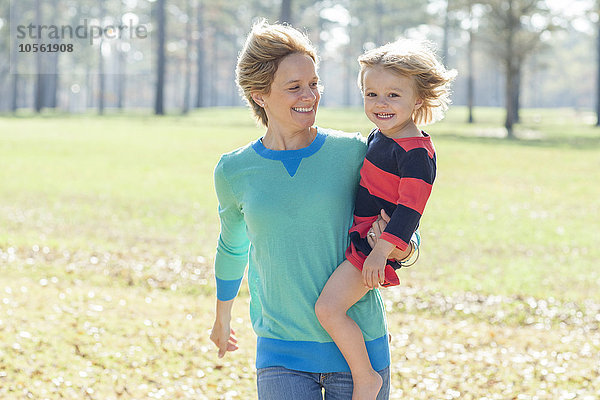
(367, 388)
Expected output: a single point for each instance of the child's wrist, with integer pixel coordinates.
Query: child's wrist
(383, 248)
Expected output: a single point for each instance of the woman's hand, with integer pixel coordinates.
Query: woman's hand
(223, 336)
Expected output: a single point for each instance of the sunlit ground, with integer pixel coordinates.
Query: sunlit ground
(108, 227)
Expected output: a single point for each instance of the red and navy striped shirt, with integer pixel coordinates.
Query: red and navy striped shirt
(397, 176)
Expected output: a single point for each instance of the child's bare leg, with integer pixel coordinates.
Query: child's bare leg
(343, 289)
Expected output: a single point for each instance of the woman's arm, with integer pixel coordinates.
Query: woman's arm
(221, 334)
(230, 261)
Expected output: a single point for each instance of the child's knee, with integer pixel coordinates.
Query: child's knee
(325, 310)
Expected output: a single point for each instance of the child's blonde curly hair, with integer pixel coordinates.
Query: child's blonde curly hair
(414, 59)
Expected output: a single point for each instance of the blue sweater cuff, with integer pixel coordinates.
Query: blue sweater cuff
(227, 289)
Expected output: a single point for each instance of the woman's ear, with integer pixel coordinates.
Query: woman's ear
(258, 98)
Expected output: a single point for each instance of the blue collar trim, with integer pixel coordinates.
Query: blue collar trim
(291, 159)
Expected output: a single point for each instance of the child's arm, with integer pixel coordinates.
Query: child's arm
(417, 176)
(374, 265)
(378, 228)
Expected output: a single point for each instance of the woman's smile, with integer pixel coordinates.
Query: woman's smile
(303, 109)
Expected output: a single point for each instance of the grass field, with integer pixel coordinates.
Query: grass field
(108, 227)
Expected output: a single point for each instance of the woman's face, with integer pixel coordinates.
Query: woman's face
(294, 98)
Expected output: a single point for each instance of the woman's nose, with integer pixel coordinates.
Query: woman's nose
(308, 94)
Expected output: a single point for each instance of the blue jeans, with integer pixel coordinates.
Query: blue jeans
(279, 383)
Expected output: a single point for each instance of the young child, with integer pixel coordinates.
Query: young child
(403, 85)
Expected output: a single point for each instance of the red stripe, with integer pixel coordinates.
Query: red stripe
(413, 193)
(399, 243)
(361, 220)
(355, 257)
(380, 183)
(362, 225)
(416, 143)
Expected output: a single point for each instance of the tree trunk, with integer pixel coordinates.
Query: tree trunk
(446, 33)
(470, 79)
(15, 93)
(38, 91)
(121, 65)
(214, 73)
(509, 100)
(121, 71)
(286, 11)
(101, 77)
(233, 89)
(14, 60)
(188, 60)
(52, 90)
(52, 79)
(379, 22)
(517, 94)
(200, 56)
(101, 80)
(598, 72)
(160, 68)
(509, 63)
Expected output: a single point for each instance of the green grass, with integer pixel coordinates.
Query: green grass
(108, 227)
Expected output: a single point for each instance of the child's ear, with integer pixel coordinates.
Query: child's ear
(258, 98)
(418, 104)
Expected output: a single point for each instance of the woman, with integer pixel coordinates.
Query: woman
(285, 204)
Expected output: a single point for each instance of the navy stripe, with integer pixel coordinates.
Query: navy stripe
(368, 205)
(419, 165)
(361, 244)
(384, 153)
(404, 222)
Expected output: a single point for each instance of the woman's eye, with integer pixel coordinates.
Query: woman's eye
(294, 88)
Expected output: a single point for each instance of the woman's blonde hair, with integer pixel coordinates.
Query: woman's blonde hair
(265, 47)
(417, 60)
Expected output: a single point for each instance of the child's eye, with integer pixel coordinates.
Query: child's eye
(370, 94)
(394, 95)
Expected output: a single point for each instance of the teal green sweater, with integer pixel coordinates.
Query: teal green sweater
(286, 214)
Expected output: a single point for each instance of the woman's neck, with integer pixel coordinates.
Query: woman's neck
(279, 140)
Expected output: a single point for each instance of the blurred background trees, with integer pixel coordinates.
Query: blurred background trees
(509, 53)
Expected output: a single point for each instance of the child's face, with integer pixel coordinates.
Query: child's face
(390, 100)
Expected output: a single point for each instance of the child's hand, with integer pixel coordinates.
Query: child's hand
(224, 337)
(374, 270)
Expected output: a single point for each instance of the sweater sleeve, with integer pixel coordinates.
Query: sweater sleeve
(232, 248)
(417, 176)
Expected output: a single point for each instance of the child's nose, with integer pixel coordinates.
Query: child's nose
(381, 102)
